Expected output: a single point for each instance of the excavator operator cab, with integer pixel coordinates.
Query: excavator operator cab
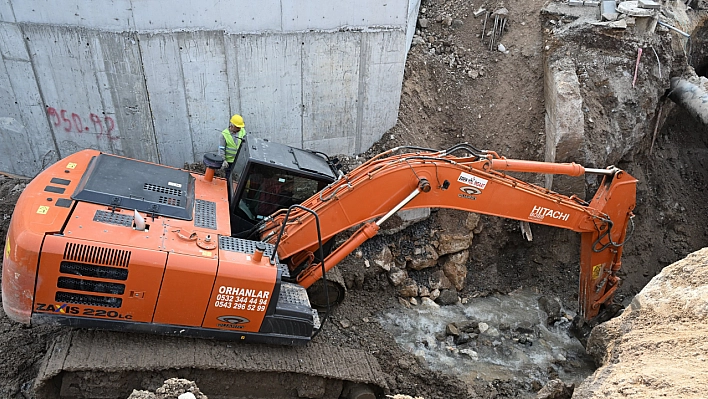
(269, 176)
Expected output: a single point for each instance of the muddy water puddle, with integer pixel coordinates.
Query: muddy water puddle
(500, 337)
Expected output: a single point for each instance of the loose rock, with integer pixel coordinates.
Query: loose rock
(451, 243)
(384, 259)
(417, 40)
(439, 281)
(552, 307)
(455, 269)
(434, 294)
(427, 302)
(424, 291)
(470, 326)
(483, 327)
(172, 388)
(397, 276)
(408, 289)
(555, 389)
(426, 256)
(451, 329)
(448, 297)
(472, 219)
(469, 352)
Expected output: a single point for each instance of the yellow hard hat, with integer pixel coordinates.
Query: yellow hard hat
(237, 120)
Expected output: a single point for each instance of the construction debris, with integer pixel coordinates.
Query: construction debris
(619, 24)
(649, 4)
(608, 11)
(498, 28)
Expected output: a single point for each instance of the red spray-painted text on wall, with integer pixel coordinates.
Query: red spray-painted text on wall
(74, 123)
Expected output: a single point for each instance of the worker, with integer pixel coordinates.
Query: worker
(231, 139)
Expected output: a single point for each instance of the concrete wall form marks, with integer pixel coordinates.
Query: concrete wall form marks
(230, 16)
(158, 82)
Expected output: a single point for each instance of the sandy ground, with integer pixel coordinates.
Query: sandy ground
(657, 347)
(494, 101)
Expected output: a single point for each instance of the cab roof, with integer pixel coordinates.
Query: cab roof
(286, 157)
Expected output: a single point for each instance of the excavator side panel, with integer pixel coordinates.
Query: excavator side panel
(242, 291)
(42, 209)
(97, 281)
(186, 289)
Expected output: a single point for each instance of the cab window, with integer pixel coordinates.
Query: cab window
(268, 189)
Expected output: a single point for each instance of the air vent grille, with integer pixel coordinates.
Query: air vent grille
(90, 300)
(119, 219)
(91, 286)
(293, 294)
(284, 272)
(244, 246)
(98, 255)
(169, 201)
(162, 189)
(81, 269)
(205, 214)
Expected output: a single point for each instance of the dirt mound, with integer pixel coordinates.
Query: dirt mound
(657, 347)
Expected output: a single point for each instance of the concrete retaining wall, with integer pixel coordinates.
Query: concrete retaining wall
(157, 80)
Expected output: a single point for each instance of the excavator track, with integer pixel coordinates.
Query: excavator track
(106, 365)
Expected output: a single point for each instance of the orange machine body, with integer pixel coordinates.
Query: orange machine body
(83, 263)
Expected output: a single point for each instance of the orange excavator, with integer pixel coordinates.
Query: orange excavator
(109, 243)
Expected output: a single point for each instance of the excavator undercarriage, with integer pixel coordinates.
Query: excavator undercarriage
(84, 364)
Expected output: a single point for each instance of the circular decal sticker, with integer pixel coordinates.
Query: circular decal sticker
(470, 190)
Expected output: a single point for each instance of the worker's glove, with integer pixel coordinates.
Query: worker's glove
(224, 165)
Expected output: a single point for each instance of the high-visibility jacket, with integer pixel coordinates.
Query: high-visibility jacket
(231, 144)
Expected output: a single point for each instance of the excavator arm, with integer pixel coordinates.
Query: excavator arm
(390, 182)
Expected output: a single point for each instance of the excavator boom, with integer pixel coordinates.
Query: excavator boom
(478, 184)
